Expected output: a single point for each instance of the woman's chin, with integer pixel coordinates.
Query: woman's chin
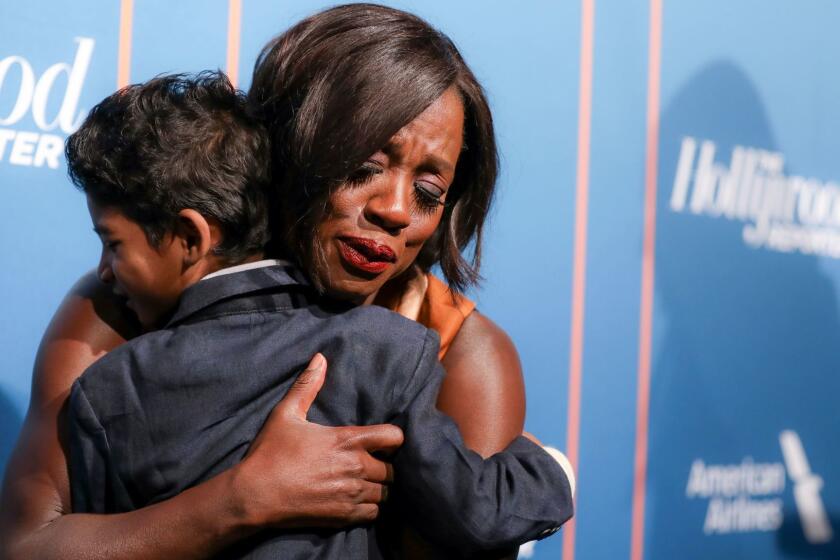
(345, 280)
(353, 292)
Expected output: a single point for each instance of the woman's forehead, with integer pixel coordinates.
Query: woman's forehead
(436, 134)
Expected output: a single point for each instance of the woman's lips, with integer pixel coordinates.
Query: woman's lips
(366, 254)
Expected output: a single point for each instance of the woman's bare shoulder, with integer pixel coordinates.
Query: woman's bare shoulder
(479, 334)
(484, 390)
(90, 322)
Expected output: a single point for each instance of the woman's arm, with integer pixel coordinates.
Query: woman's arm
(483, 390)
(331, 480)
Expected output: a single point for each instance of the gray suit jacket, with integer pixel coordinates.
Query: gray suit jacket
(177, 406)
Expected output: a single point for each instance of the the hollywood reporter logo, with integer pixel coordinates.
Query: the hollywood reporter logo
(37, 149)
(779, 212)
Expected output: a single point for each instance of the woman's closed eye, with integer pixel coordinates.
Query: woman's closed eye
(364, 173)
(428, 196)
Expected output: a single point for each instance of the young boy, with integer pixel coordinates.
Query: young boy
(175, 173)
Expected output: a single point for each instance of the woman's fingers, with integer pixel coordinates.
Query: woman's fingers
(305, 388)
(373, 493)
(385, 438)
(295, 405)
(376, 470)
(362, 513)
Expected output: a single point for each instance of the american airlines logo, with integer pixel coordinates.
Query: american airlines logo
(780, 212)
(747, 496)
(806, 490)
(743, 497)
(44, 147)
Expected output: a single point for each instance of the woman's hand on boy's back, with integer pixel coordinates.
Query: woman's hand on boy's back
(333, 480)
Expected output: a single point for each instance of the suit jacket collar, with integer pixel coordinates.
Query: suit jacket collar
(210, 291)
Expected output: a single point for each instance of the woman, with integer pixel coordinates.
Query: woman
(346, 95)
(378, 54)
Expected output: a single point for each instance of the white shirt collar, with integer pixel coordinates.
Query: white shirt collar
(243, 267)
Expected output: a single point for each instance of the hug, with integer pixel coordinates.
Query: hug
(241, 237)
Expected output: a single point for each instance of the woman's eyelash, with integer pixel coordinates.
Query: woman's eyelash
(426, 200)
(364, 174)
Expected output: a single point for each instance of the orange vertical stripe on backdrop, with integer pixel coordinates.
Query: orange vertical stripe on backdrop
(233, 34)
(579, 258)
(648, 260)
(124, 48)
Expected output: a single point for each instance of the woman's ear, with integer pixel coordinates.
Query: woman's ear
(197, 235)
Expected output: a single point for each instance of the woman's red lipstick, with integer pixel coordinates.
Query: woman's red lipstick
(366, 254)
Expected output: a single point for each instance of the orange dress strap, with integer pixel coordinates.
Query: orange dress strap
(427, 300)
(443, 311)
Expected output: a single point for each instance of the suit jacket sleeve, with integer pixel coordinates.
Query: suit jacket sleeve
(459, 500)
(89, 453)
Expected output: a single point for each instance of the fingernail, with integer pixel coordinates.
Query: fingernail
(317, 363)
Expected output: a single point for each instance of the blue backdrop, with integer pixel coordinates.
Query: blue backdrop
(735, 454)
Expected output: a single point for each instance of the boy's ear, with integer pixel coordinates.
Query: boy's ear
(198, 235)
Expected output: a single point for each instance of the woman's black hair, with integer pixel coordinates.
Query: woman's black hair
(333, 89)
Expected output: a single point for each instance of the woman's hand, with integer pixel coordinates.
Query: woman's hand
(333, 480)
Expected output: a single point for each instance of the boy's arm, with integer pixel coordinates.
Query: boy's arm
(87, 455)
(457, 499)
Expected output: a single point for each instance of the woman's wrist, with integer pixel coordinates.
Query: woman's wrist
(218, 510)
(241, 502)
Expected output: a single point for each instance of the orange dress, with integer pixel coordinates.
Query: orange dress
(428, 301)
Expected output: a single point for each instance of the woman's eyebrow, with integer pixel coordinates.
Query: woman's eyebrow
(430, 161)
(438, 163)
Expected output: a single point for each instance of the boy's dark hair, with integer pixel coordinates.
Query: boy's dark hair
(335, 88)
(176, 142)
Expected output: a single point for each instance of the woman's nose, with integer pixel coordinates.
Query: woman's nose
(390, 206)
(106, 275)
